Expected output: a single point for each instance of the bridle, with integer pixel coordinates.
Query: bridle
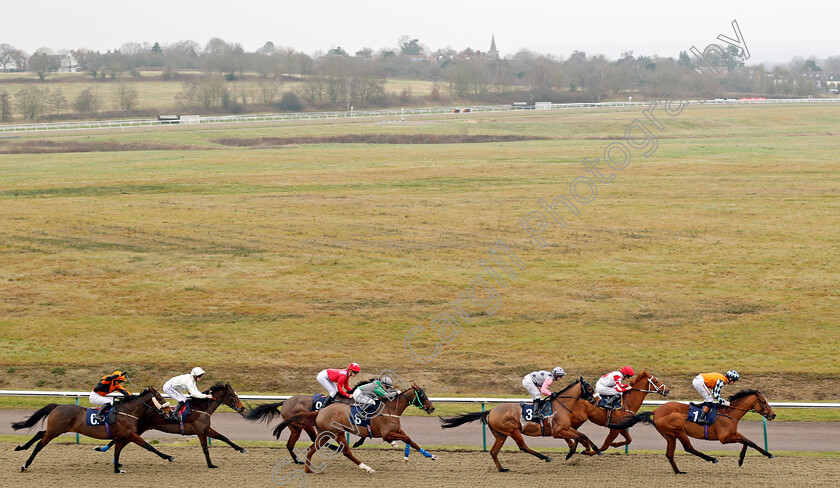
(656, 389)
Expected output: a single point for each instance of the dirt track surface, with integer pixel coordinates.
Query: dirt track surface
(61, 465)
(425, 430)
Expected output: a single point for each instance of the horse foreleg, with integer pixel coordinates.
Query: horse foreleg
(686, 443)
(736, 437)
(494, 451)
(398, 435)
(45, 439)
(212, 433)
(33, 440)
(118, 447)
(570, 433)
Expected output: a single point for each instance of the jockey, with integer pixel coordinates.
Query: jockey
(180, 387)
(537, 383)
(335, 381)
(610, 386)
(369, 394)
(108, 384)
(702, 382)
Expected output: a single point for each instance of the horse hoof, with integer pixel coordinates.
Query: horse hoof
(243, 450)
(434, 458)
(365, 467)
(212, 466)
(299, 462)
(548, 459)
(122, 471)
(503, 470)
(680, 472)
(394, 444)
(23, 469)
(771, 457)
(600, 453)
(170, 458)
(569, 455)
(715, 460)
(405, 459)
(18, 448)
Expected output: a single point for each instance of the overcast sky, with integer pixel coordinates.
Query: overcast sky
(556, 27)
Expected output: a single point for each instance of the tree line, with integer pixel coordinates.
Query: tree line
(227, 78)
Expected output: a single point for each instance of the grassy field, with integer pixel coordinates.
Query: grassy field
(266, 265)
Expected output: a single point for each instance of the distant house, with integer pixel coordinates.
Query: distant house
(832, 82)
(67, 62)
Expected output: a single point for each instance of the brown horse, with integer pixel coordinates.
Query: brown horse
(198, 421)
(671, 422)
(632, 399)
(71, 418)
(334, 420)
(294, 406)
(506, 421)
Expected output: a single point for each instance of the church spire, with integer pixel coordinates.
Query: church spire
(493, 51)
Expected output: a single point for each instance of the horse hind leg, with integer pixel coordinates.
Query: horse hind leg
(31, 441)
(494, 451)
(45, 439)
(294, 435)
(202, 438)
(345, 449)
(669, 452)
(520, 442)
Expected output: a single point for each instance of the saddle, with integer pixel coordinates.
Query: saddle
(318, 401)
(695, 410)
(360, 418)
(528, 415)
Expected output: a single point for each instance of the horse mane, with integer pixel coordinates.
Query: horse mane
(215, 388)
(362, 383)
(742, 394)
(566, 388)
(132, 397)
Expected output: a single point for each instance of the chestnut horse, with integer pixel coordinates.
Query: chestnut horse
(632, 399)
(335, 420)
(506, 421)
(671, 422)
(71, 418)
(198, 421)
(294, 406)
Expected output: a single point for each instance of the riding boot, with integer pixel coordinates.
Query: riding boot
(329, 400)
(614, 402)
(538, 408)
(101, 416)
(702, 419)
(176, 411)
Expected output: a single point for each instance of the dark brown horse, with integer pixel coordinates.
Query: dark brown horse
(506, 421)
(671, 422)
(334, 420)
(71, 418)
(198, 420)
(632, 399)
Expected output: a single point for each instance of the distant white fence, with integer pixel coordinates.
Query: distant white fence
(401, 112)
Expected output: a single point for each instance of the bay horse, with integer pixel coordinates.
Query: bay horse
(71, 418)
(335, 421)
(631, 402)
(198, 420)
(506, 421)
(671, 422)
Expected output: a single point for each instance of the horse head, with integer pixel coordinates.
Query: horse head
(421, 400)
(586, 391)
(653, 384)
(762, 406)
(225, 394)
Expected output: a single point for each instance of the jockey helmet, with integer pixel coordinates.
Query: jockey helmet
(386, 381)
(558, 372)
(197, 371)
(733, 375)
(627, 370)
(120, 375)
(354, 368)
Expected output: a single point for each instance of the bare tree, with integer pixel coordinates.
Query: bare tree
(57, 101)
(5, 106)
(87, 101)
(126, 96)
(43, 62)
(9, 56)
(30, 102)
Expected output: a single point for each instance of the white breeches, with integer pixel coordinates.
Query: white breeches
(324, 379)
(606, 391)
(531, 387)
(173, 393)
(97, 399)
(360, 397)
(700, 385)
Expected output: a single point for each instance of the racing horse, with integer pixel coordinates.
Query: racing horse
(71, 418)
(335, 419)
(296, 405)
(671, 421)
(643, 384)
(198, 420)
(506, 421)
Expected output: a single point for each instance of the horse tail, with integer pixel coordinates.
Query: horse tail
(645, 417)
(265, 412)
(37, 416)
(303, 419)
(463, 419)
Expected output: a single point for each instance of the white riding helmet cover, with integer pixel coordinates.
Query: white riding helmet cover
(558, 371)
(197, 371)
